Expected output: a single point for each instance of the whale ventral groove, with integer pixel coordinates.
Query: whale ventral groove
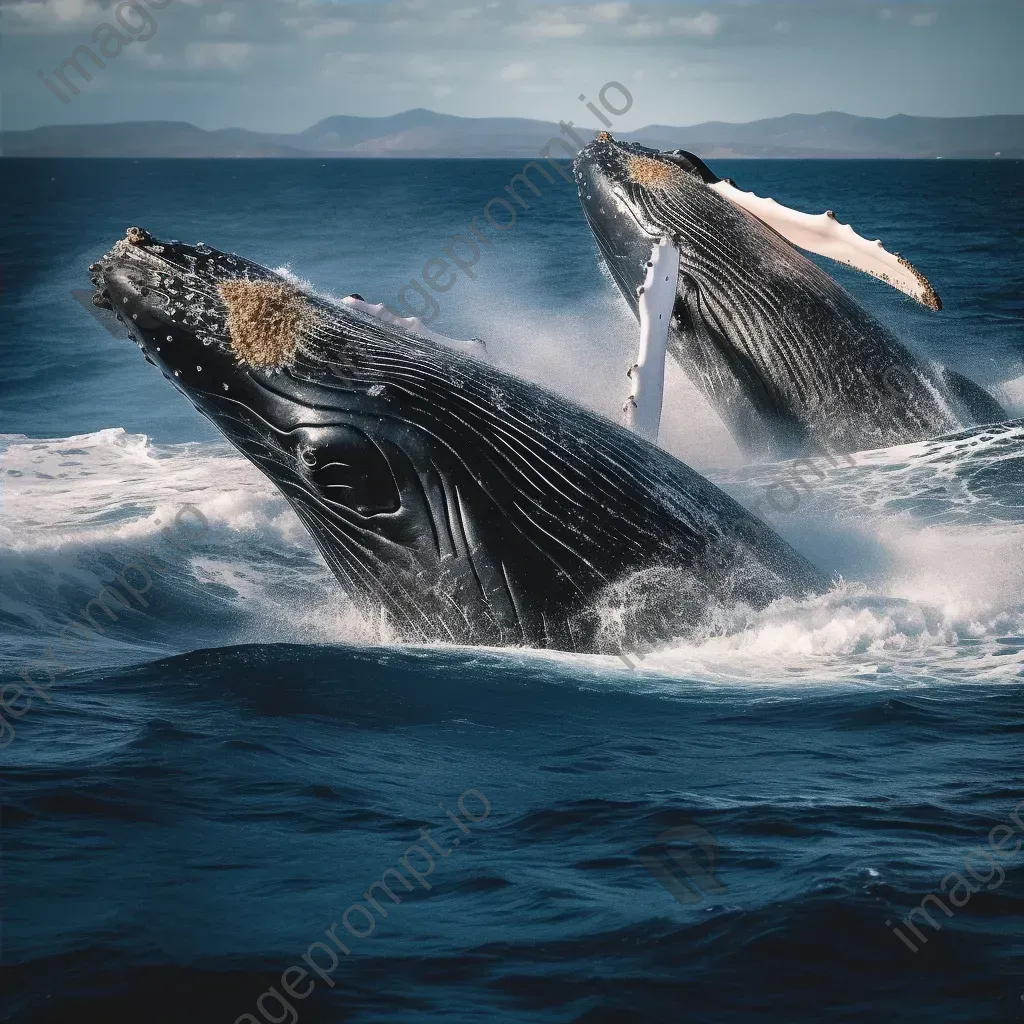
(452, 500)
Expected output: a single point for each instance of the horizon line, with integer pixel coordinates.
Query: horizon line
(508, 117)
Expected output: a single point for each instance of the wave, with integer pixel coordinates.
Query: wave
(77, 511)
(924, 541)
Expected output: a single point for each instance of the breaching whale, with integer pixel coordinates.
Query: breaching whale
(457, 501)
(792, 363)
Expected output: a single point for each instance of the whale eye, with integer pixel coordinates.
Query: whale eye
(308, 456)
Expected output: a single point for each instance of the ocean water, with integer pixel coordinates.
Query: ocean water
(211, 780)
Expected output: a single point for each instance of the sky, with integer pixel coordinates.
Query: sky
(282, 65)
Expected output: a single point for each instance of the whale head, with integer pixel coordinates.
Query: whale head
(453, 501)
(298, 383)
(629, 193)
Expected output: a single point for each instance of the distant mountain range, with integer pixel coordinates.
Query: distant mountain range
(424, 133)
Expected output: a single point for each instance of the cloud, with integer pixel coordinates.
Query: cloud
(920, 19)
(56, 15)
(273, 59)
(330, 29)
(697, 26)
(219, 22)
(516, 71)
(610, 11)
(552, 26)
(426, 67)
(148, 59)
(645, 29)
(440, 91)
(704, 24)
(204, 56)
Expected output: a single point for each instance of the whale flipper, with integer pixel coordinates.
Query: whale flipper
(824, 235)
(656, 301)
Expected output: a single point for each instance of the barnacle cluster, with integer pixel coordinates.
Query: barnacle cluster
(265, 320)
(651, 173)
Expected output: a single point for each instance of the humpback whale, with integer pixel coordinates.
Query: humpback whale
(455, 501)
(792, 363)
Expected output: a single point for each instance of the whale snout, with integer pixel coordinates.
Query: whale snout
(131, 289)
(139, 277)
(175, 299)
(223, 329)
(168, 296)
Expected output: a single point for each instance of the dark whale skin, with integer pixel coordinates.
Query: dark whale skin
(459, 502)
(792, 363)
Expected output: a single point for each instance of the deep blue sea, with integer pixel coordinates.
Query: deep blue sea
(204, 794)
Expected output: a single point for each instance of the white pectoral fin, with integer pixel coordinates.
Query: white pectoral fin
(657, 296)
(823, 234)
(414, 325)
